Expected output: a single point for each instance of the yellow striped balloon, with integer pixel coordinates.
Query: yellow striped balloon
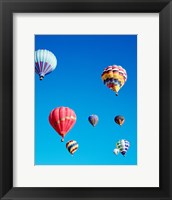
(114, 77)
(72, 146)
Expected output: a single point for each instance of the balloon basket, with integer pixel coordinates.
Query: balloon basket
(41, 78)
(62, 140)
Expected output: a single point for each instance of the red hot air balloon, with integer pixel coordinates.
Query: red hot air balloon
(62, 119)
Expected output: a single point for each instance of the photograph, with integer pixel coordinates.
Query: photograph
(85, 100)
(85, 95)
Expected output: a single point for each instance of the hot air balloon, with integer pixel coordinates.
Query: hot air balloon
(93, 119)
(123, 146)
(116, 151)
(119, 120)
(45, 62)
(114, 77)
(62, 119)
(72, 146)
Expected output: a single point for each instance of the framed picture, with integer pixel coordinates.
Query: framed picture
(85, 99)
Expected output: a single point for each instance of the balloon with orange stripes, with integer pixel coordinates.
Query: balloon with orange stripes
(62, 119)
(114, 77)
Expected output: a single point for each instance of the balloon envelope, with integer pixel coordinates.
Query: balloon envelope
(72, 146)
(123, 146)
(119, 119)
(45, 62)
(116, 151)
(62, 119)
(114, 77)
(93, 119)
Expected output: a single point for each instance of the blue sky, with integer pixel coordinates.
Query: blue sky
(76, 83)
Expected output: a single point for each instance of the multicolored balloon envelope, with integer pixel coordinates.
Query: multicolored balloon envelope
(119, 119)
(123, 146)
(72, 146)
(45, 62)
(93, 119)
(62, 119)
(114, 77)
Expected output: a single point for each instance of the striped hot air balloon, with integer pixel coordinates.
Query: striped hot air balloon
(114, 77)
(123, 146)
(62, 119)
(72, 146)
(45, 62)
(93, 119)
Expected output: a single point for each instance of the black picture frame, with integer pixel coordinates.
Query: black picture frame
(7, 8)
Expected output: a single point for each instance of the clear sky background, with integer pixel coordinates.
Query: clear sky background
(76, 83)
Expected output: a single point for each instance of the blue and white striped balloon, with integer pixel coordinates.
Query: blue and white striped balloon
(45, 62)
(123, 146)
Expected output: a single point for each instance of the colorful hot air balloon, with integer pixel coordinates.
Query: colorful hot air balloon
(123, 146)
(119, 120)
(116, 151)
(62, 119)
(72, 146)
(93, 119)
(45, 62)
(114, 77)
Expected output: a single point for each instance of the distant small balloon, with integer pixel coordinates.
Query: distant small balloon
(116, 151)
(72, 146)
(123, 146)
(119, 119)
(93, 119)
